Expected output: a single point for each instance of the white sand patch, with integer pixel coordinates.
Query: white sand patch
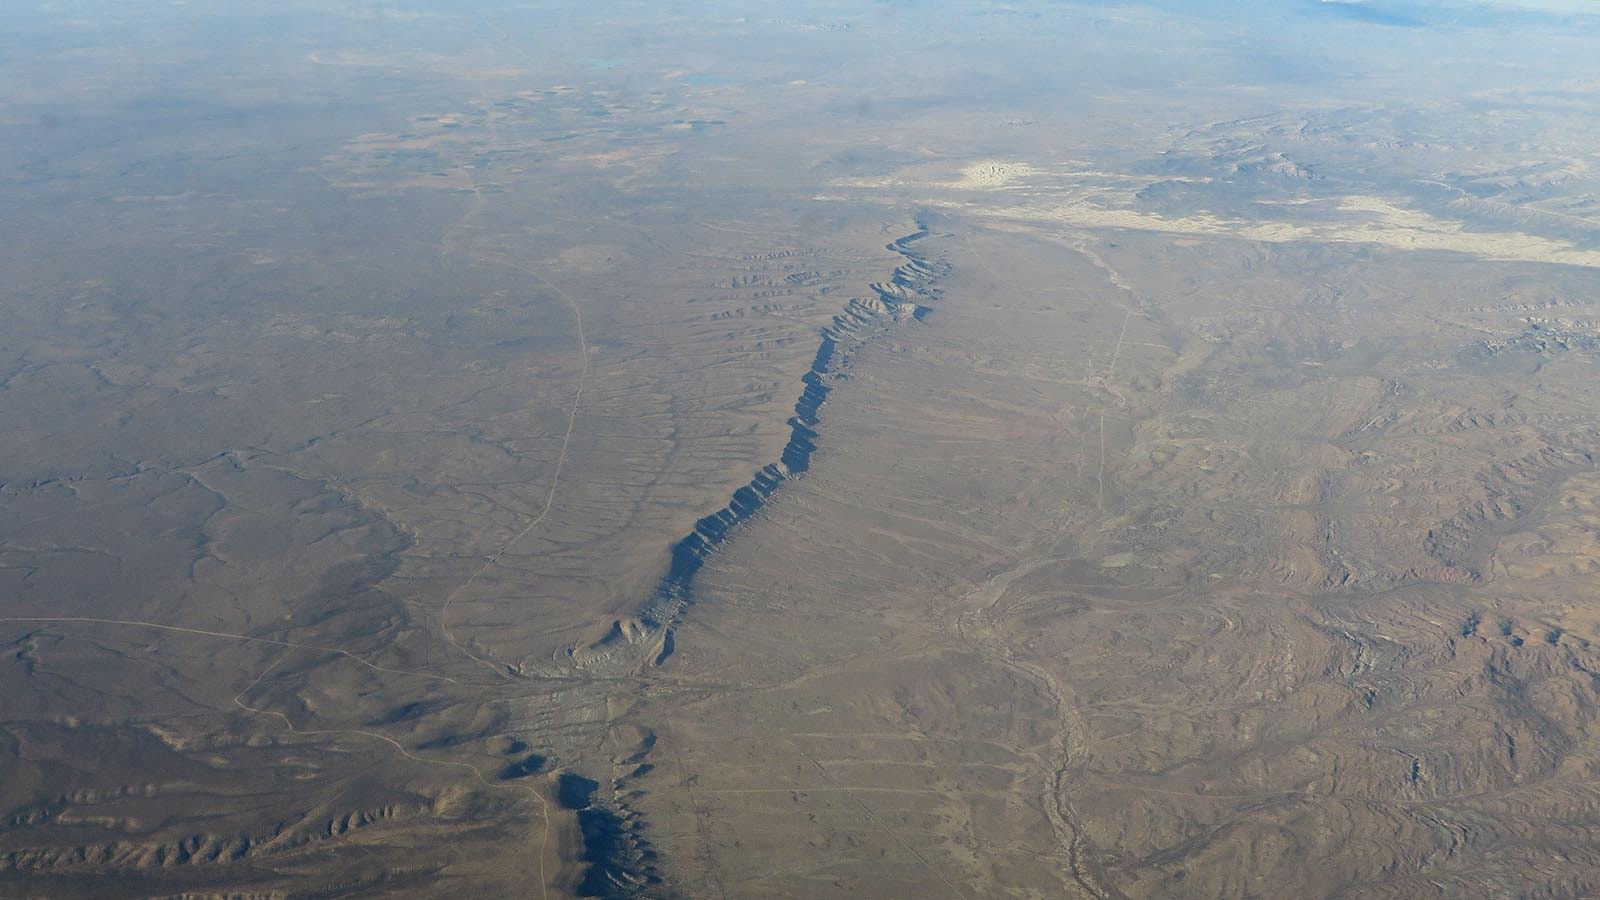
(990, 174)
(1375, 221)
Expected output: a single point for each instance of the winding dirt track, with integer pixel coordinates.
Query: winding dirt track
(555, 479)
(293, 645)
(973, 626)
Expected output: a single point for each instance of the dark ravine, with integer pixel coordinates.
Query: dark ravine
(905, 296)
(621, 862)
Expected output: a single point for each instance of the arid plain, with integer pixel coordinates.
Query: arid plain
(877, 451)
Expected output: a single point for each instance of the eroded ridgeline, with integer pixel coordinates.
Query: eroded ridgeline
(620, 859)
(907, 295)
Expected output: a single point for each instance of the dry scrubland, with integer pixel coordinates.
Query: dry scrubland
(1283, 609)
(830, 456)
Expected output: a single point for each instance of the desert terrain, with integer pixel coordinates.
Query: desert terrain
(869, 451)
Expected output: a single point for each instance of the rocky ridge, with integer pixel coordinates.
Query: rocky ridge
(620, 858)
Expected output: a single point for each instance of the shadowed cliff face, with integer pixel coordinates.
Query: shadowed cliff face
(906, 296)
(619, 858)
(1206, 508)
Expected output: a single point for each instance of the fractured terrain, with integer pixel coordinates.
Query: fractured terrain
(1121, 450)
(903, 297)
(1088, 773)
